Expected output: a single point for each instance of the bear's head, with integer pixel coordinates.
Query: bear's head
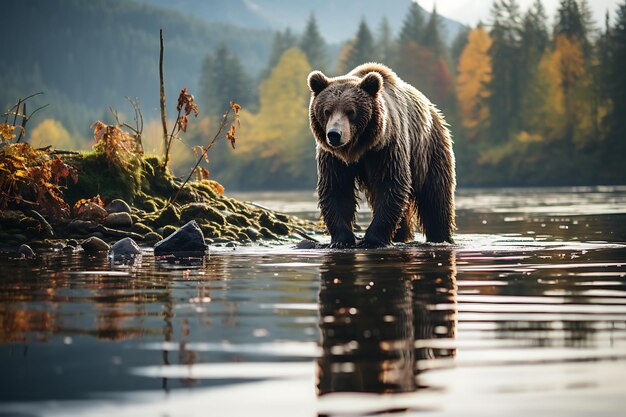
(347, 113)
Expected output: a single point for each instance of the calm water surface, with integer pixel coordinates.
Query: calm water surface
(525, 315)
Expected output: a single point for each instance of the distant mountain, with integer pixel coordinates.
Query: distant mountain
(87, 55)
(337, 19)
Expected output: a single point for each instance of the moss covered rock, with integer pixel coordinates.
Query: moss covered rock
(202, 212)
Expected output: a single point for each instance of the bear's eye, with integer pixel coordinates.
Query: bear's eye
(327, 113)
(351, 114)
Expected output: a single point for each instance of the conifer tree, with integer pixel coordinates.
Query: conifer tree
(313, 45)
(432, 37)
(222, 80)
(282, 41)
(362, 49)
(504, 101)
(385, 45)
(413, 26)
(574, 19)
(617, 77)
(534, 41)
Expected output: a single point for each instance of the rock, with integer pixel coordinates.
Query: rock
(169, 216)
(280, 228)
(26, 252)
(209, 231)
(252, 233)
(307, 244)
(282, 217)
(125, 247)
(91, 211)
(267, 233)
(187, 239)
(118, 206)
(202, 212)
(20, 238)
(140, 228)
(81, 226)
(94, 244)
(168, 230)
(152, 237)
(72, 242)
(116, 220)
(238, 220)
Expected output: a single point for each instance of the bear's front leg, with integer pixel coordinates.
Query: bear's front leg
(388, 185)
(336, 190)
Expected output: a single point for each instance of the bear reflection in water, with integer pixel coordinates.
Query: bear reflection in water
(376, 324)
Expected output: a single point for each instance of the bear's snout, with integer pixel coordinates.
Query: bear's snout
(334, 137)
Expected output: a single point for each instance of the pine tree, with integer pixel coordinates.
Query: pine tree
(617, 77)
(432, 38)
(458, 45)
(534, 41)
(413, 26)
(574, 19)
(313, 45)
(223, 79)
(505, 100)
(362, 49)
(385, 45)
(282, 41)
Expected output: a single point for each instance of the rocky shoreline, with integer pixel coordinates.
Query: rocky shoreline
(141, 212)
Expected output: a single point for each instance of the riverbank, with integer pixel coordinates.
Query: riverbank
(111, 202)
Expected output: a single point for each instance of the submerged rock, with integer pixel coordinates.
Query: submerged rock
(121, 219)
(118, 206)
(26, 252)
(187, 239)
(94, 244)
(125, 247)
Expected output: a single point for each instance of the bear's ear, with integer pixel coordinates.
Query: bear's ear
(317, 82)
(372, 83)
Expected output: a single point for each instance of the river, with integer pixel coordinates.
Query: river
(524, 315)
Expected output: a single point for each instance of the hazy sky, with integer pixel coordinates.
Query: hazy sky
(471, 11)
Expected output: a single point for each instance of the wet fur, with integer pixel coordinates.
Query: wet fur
(400, 155)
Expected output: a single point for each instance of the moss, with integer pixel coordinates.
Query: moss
(170, 215)
(210, 231)
(168, 230)
(267, 233)
(238, 220)
(140, 228)
(96, 176)
(203, 213)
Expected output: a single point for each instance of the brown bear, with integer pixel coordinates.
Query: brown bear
(378, 134)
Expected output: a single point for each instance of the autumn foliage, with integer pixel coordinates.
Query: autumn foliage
(34, 178)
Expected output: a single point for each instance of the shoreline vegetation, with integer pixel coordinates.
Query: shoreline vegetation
(111, 203)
